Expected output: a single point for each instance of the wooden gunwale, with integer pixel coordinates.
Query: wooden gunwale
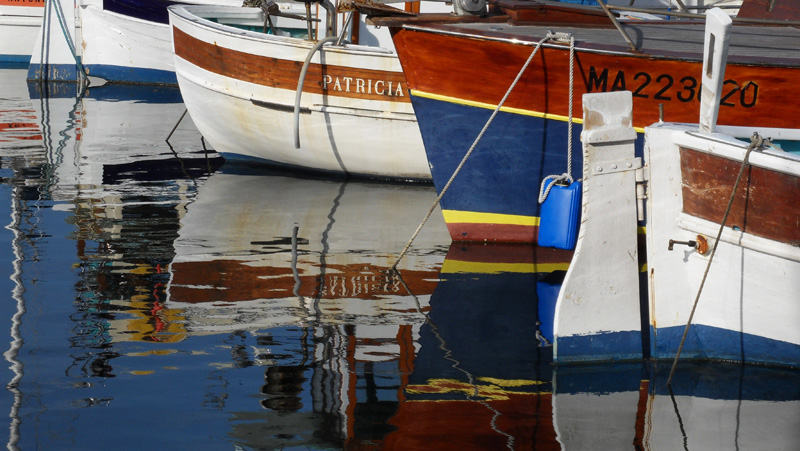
(284, 74)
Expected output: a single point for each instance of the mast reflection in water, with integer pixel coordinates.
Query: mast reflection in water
(158, 296)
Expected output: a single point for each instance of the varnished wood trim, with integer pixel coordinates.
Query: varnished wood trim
(278, 73)
(765, 204)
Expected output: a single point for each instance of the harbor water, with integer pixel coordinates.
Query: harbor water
(156, 296)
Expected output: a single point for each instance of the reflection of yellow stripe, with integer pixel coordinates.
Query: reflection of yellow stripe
(473, 217)
(459, 266)
(496, 390)
(488, 106)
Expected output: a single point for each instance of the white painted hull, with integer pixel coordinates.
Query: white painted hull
(747, 300)
(122, 48)
(752, 291)
(355, 135)
(19, 28)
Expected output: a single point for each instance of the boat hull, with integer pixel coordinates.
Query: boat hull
(354, 115)
(747, 292)
(19, 28)
(459, 75)
(126, 49)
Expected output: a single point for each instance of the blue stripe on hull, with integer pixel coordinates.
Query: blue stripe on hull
(11, 61)
(606, 347)
(504, 172)
(706, 342)
(53, 72)
(702, 343)
(122, 74)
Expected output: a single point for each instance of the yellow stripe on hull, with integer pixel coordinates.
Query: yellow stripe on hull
(489, 106)
(472, 217)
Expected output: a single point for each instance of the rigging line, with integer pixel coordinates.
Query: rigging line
(680, 420)
(12, 354)
(756, 141)
(549, 36)
(544, 191)
(62, 22)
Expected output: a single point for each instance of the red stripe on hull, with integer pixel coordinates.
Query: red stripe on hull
(278, 73)
(23, 3)
(506, 233)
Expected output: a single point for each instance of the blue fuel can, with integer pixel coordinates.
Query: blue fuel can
(560, 216)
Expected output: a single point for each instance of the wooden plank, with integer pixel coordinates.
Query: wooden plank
(785, 10)
(337, 81)
(765, 204)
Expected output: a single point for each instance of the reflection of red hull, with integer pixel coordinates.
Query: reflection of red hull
(235, 281)
(19, 128)
(521, 420)
(504, 257)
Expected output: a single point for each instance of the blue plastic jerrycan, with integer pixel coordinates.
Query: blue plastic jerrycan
(560, 216)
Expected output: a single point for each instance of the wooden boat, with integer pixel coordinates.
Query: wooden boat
(122, 41)
(19, 25)
(320, 103)
(723, 255)
(458, 74)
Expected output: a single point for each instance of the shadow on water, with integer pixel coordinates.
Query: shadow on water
(159, 295)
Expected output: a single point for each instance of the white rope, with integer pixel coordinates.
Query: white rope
(567, 176)
(550, 35)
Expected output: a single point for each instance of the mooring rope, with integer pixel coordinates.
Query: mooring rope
(62, 22)
(755, 141)
(567, 176)
(550, 35)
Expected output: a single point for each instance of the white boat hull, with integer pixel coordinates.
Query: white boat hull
(125, 49)
(19, 28)
(747, 303)
(354, 115)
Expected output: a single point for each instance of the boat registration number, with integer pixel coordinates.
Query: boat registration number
(666, 87)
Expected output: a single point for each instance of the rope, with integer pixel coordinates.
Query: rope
(302, 81)
(550, 35)
(756, 141)
(62, 21)
(567, 176)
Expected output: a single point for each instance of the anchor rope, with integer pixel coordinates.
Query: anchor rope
(558, 36)
(62, 22)
(756, 142)
(567, 176)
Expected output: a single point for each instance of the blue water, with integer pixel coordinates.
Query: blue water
(157, 297)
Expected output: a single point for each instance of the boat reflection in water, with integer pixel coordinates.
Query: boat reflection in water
(355, 354)
(482, 378)
(125, 189)
(299, 271)
(443, 353)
